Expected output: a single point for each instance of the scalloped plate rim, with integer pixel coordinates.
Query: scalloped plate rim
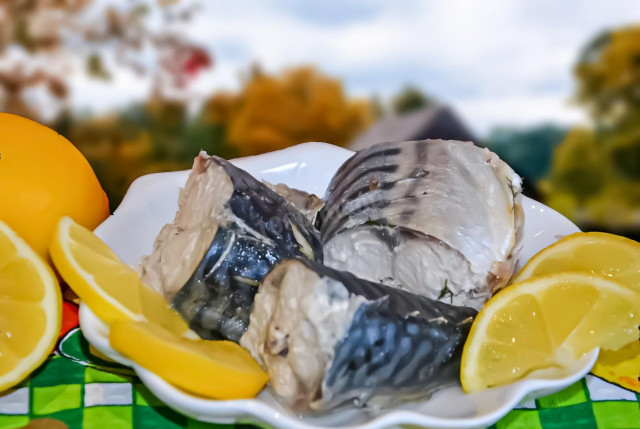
(294, 165)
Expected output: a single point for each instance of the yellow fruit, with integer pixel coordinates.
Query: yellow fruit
(111, 289)
(547, 322)
(609, 255)
(30, 309)
(600, 253)
(43, 177)
(214, 369)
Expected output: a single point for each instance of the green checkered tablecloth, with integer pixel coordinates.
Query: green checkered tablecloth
(84, 391)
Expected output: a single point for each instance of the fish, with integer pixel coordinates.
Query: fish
(228, 232)
(330, 339)
(308, 204)
(440, 218)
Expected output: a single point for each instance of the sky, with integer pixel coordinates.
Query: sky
(498, 63)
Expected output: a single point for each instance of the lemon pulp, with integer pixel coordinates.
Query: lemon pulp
(609, 255)
(30, 309)
(547, 322)
(111, 289)
(599, 253)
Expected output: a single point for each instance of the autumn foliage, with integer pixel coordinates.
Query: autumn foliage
(45, 43)
(595, 175)
(273, 112)
(269, 112)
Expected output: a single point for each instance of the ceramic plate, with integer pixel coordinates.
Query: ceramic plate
(153, 200)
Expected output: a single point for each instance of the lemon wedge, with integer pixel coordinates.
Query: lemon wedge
(214, 369)
(600, 253)
(30, 309)
(609, 255)
(111, 289)
(547, 322)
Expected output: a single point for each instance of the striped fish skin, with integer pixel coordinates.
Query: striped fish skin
(248, 232)
(393, 347)
(405, 345)
(454, 192)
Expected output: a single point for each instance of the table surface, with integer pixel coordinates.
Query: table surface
(78, 388)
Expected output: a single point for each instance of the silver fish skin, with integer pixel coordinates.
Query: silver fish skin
(329, 339)
(230, 229)
(462, 200)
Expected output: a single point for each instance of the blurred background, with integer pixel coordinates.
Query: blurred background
(142, 86)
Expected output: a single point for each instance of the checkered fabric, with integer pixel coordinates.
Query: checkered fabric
(83, 396)
(591, 403)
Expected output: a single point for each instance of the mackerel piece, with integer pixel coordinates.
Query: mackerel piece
(308, 204)
(328, 338)
(228, 232)
(439, 218)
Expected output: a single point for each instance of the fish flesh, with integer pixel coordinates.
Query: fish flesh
(228, 232)
(308, 204)
(328, 338)
(439, 218)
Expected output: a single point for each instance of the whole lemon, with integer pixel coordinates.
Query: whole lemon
(42, 178)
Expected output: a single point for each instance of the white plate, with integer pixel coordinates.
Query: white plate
(152, 201)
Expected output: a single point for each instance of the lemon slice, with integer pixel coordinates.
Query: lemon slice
(30, 309)
(111, 289)
(214, 369)
(547, 322)
(600, 253)
(609, 255)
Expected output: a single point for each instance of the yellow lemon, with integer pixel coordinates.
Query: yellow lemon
(214, 369)
(611, 256)
(111, 289)
(600, 253)
(30, 309)
(547, 322)
(43, 177)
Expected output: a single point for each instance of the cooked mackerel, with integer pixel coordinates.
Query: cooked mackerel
(328, 338)
(440, 218)
(308, 204)
(228, 232)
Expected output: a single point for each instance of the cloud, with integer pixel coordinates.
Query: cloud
(499, 63)
(484, 113)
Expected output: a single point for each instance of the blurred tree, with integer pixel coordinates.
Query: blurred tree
(117, 151)
(41, 42)
(577, 166)
(595, 178)
(151, 137)
(624, 150)
(220, 108)
(608, 75)
(15, 81)
(410, 99)
(274, 112)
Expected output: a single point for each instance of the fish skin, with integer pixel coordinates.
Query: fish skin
(399, 347)
(218, 303)
(256, 232)
(268, 212)
(455, 192)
